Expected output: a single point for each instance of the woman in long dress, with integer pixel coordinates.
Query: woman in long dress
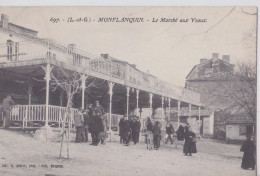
(248, 160)
(189, 144)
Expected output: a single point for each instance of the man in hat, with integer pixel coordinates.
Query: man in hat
(136, 125)
(98, 126)
(125, 131)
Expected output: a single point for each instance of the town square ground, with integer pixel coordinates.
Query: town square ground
(21, 154)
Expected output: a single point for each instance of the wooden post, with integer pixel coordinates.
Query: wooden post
(151, 103)
(127, 101)
(29, 101)
(111, 85)
(162, 108)
(83, 86)
(199, 120)
(137, 99)
(47, 70)
(179, 109)
(61, 98)
(169, 104)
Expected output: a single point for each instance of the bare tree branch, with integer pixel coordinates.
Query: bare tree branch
(220, 20)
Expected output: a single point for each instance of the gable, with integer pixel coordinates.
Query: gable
(209, 68)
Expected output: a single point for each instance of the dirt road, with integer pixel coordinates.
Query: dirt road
(20, 154)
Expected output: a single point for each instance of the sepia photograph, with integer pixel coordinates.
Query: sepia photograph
(135, 91)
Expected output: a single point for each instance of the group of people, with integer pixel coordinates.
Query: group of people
(154, 132)
(129, 129)
(91, 120)
(183, 134)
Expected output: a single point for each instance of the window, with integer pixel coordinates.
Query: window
(242, 130)
(208, 71)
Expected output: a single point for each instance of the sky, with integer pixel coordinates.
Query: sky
(168, 50)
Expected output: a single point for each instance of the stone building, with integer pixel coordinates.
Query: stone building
(206, 78)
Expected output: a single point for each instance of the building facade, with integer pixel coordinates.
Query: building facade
(208, 79)
(28, 61)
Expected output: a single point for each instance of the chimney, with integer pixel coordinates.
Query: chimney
(72, 46)
(226, 58)
(4, 21)
(106, 56)
(214, 56)
(203, 60)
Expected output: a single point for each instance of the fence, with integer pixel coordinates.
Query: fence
(115, 120)
(37, 113)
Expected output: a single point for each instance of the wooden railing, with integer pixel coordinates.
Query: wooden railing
(185, 112)
(37, 113)
(107, 67)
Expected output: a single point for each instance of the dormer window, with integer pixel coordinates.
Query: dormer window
(208, 71)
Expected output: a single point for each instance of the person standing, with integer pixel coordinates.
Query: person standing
(121, 129)
(248, 147)
(156, 135)
(149, 128)
(169, 132)
(130, 121)
(79, 125)
(105, 125)
(125, 131)
(98, 127)
(86, 124)
(190, 142)
(180, 133)
(7, 103)
(102, 127)
(135, 129)
(138, 120)
(91, 123)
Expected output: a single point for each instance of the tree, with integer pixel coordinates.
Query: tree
(236, 93)
(70, 82)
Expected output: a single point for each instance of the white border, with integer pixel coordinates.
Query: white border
(152, 3)
(129, 2)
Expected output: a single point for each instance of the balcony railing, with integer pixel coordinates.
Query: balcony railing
(44, 48)
(194, 112)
